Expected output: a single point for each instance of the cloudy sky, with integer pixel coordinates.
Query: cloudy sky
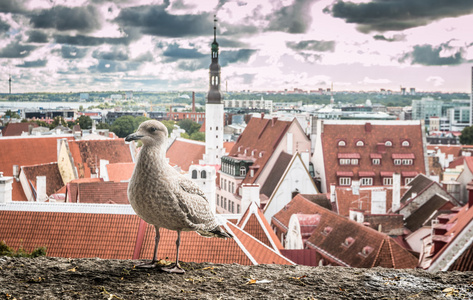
(152, 45)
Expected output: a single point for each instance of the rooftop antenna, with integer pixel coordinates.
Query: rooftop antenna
(9, 85)
(215, 28)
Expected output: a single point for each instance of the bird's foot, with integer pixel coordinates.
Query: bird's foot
(176, 268)
(147, 265)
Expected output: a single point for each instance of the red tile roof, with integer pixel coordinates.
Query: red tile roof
(262, 135)
(184, 153)
(455, 150)
(88, 153)
(456, 162)
(374, 135)
(16, 129)
(26, 151)
(254, 222)
(228, 146)
(51, 171)
(120, 171)
(469, 163)
(298, 205)
(97, 192)
(114, 236)
(352, 244)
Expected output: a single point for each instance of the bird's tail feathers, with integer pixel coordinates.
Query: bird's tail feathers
(216, 232)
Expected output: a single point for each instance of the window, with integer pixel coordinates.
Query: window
(238, 208)
(344, 161)
(225, 203)
(348, 241)
(218, 200)
(360, 144)
(203, 174)
(387, 181)
(261, 154)
(366, 250)
(345, 180)
(194, 174)
(397, 162)
(221, 183)
(408, 180)
(407, 162)
(253, 153)
(342, 144)
(388, 144)
(376, 161)
(327, 230)
(405, 144)
(354, 161)
(224, 185)
(366, 181)
(242, 171)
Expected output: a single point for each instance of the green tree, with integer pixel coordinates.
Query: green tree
(198, 136)
(102, 125)
(58, 121)
(189, 126)
(12, 114)
(138, 120)
(85, 122)
(123, 126)
(466, 137)
(169, 125)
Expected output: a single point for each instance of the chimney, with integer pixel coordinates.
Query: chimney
(6, 188)
(333, 195)
(396, 192)
(367, 127)
(249, 193)
(262, 115)
(16, 171)
(193, 102)
(41, 195)
(273, 121)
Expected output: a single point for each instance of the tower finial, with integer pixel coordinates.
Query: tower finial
(215, 28)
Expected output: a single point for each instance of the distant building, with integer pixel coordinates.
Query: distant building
(425, 108)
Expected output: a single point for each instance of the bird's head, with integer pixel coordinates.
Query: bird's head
(151, 133)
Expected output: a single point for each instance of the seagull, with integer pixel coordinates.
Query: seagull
(163, 197)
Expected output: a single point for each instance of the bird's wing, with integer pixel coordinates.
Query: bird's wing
(195, 205)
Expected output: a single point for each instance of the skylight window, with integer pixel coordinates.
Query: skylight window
(360, 144)
(342, 144)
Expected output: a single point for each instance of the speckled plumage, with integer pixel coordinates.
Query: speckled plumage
(163, 197)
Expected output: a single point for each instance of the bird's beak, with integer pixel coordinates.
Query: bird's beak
(133, 137)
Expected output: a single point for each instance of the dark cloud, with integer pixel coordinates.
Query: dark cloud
(11, 6)
(174, 52)
(62, 18)
(36, 36)
(193, 65)
(313, 45)
(430, 56)
(154, 20)
(4, 27)
(384, 15)
(16, 50)
(295, 18)
(110, 66)
(71, 52)
(145, 57)
(230, 57)
(230, 43)
(33, 64)
(115, 54)
(395, 38)
(83, 40)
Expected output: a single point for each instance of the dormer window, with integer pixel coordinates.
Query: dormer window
(342, 144)
(348, 241)
(261, 154)
(376, 161)
(388, 144)
(253, 153)
(366, 250)
(405, 144)
(242, 171)
(327, 230)
(360, 144)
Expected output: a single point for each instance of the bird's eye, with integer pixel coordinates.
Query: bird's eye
(153, 129)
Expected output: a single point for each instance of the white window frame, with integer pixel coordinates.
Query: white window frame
(388, 144)
(405, 144)
(342, 144)
(407, 180)
(376, 161)
(344, 181)
(407, 162)
(360, 144)
(397, 161)
(344, 161)
(354, 161)
(366, 181)
(242, 171)
(387, 181)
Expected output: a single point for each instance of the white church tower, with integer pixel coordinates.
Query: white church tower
(214, 113)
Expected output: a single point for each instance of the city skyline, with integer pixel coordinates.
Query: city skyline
(57, 46)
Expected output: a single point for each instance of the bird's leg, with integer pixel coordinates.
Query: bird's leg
(152, 263)
(177, 268)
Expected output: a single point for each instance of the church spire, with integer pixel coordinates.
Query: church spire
(214, 95)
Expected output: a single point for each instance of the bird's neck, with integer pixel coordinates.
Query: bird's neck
(154, 155)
